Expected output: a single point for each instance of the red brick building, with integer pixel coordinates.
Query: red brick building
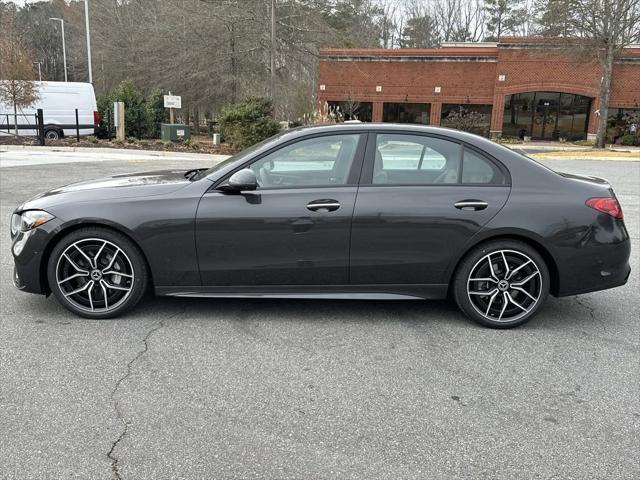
(518, 87)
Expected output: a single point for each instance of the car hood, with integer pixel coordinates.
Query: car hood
(118, 186)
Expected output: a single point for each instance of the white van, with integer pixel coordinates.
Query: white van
(58, 101)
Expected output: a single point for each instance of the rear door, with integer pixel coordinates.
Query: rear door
(420, 200)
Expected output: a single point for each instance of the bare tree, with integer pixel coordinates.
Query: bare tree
(17, 73)
(604, 27)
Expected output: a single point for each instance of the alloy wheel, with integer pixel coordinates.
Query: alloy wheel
(504, 285)
(95, 275)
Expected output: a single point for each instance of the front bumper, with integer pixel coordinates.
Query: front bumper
(29, 250)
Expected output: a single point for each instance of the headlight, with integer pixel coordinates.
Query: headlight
(29, 220)
(16, 222)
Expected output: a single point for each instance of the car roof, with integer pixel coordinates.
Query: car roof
(395, 127)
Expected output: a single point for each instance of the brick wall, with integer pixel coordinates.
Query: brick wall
(470, 75)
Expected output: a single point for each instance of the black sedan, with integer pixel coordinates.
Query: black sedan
(373, 211)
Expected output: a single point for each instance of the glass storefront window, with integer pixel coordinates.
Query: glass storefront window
(351, 110)
(406, 113)
(546, 115)
(466, 116)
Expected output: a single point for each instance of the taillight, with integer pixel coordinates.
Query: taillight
(96, 118)
(608, 205)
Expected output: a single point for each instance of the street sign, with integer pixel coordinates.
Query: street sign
(172, 101)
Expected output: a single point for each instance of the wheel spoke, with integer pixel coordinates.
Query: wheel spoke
(97, 255)
(74, 264)
(493, 280)
(84, 255)
(514, 302)
(79, 289)
(493, 297)
(522, 290)
(516, 270)
(485, 293)
(504, 305)
(104, 292)
(493, 274)
(89, 295)
(113, 259)
(522, 282)
(115, 272)
(506, 264)
(114, 287)
(75, 275)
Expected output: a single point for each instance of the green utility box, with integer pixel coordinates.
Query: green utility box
(175, 132)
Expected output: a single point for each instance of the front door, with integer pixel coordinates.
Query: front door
(294, 229)
(422, 198)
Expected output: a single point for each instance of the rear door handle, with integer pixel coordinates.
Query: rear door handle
(471, 205)
(323, 205)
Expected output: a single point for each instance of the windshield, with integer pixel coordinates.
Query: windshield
(244, 153)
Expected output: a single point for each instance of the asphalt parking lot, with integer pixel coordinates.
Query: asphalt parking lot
(293, 389)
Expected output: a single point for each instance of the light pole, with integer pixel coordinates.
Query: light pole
(64, 48)
(86, 22)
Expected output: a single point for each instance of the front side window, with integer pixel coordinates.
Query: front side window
(320, 161)
(415, 160)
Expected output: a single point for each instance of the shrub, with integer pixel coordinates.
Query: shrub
(92, 139)
(105, 107)
(156, 114)
(629, 140)
(249, 122)
(135, 115)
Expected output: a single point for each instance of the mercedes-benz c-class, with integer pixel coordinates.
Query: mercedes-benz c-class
(374, 211)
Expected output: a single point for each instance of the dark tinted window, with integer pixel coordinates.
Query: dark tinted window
(415, 160)
(478, 169)
(319, 161)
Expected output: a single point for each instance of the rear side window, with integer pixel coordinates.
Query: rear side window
(415, 160)
(476, 169)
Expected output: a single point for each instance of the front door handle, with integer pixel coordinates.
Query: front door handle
(324, 205)
(471, 205)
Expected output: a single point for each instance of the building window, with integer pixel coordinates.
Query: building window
(351, 110)
(468, 117)
(546, 115)
(406, 113)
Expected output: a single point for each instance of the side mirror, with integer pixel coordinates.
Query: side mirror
(244, 179)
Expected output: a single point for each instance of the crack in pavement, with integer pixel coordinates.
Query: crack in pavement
(592, 312)
(116, 404)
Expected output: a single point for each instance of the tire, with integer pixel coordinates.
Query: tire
(52, 134)
(97, 273)
(515, 290)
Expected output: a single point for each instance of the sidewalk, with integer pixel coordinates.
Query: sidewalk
(20, 155)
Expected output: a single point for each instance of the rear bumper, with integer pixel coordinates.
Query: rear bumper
(595, 268)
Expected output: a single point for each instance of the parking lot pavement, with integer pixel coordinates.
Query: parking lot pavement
(190, 388)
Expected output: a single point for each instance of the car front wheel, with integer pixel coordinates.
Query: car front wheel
(501, 283)
(97, 273)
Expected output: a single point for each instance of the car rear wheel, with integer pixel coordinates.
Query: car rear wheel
(97, 273)
(502, 283)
